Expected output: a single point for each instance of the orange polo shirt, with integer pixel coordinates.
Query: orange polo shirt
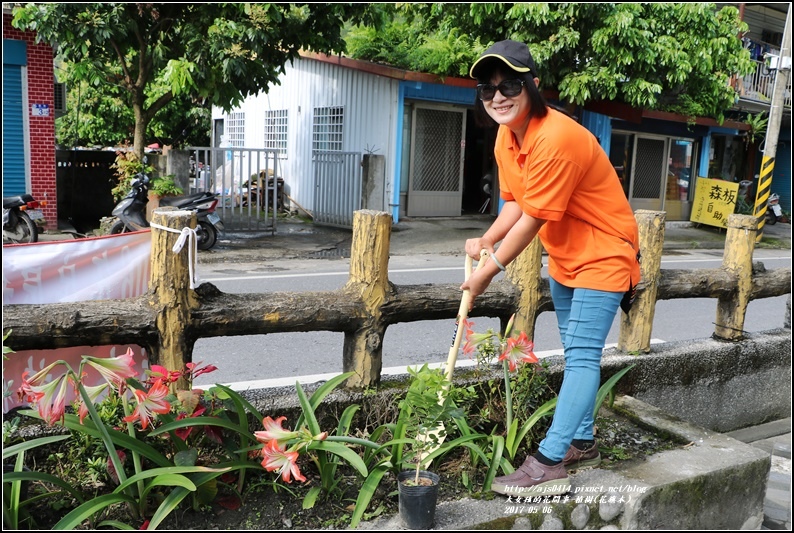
(562, 175)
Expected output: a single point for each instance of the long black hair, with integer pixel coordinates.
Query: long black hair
(538, 107)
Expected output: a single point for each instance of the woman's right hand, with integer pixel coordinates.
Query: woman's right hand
(475, 246)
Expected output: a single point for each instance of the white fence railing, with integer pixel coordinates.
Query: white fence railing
(760, 84)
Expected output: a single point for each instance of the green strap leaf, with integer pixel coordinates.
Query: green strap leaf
(447, 447)
(30, 444)
(346, 419)
(233, 394)
(342, 451)
(169, 471)
(44, 478)
(91, 507)
(323, 391)
(539, 413)
(308, 411)
(202, 421)
(311, 497)
(496, 459)
(122, 440)
(169, 480)
(175, 497)
(606, 388)
(367, 491)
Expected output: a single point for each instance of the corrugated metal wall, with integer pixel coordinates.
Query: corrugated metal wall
(369, 102)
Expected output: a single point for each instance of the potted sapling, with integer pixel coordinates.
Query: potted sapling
(425, 413)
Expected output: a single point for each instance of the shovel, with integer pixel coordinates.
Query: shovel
(463, 312)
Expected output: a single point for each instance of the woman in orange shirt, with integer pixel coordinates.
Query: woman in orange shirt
(557, 183)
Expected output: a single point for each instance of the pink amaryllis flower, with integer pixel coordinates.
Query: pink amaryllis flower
(473, 340)
(94, 392)
(518, 350)
(285, 462)
(30, 389)
(274, 432)
(115, 370)
(52, 405)
(149, 402)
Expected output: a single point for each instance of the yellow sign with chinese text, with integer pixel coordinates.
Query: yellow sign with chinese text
(714, 201)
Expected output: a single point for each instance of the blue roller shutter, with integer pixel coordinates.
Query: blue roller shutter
(14, 58)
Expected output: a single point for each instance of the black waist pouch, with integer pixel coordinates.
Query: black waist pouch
(630, 295)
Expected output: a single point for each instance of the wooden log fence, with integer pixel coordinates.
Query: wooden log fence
(171, 317)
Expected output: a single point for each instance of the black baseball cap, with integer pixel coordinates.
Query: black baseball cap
(515, 54)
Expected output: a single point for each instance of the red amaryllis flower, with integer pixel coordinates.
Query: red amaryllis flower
(283, 461)
(112, 468)
(194, 371)
(161, 372)
(149, 402)
(519, 350)
(184, 433)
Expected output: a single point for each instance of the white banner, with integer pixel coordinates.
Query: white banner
(99, 268)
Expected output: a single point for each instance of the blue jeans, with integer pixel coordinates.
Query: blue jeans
(584, 317)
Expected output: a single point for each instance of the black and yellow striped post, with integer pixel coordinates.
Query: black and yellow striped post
(764, 185)
(763, 190)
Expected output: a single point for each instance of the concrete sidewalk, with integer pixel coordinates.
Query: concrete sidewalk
(775, 439)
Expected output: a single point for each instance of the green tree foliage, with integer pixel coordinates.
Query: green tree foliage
(208, 53)
(668, 56)
(101, 116)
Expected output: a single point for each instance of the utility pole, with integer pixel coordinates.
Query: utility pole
(764, 186)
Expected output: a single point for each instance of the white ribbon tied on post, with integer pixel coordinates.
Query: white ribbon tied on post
(189, 235)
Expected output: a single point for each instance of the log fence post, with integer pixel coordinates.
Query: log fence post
(636, 327)
(737, 261)
(170, 295)
(369, 283)
(524, 273)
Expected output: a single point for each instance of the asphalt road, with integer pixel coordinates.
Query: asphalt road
(280, 358)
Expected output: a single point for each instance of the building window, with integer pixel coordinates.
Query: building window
(327, 128)
(276, 131)
(235, 129)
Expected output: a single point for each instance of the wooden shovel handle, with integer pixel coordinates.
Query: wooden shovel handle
(463, 312)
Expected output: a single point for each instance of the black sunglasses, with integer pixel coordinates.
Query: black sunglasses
(508, 88)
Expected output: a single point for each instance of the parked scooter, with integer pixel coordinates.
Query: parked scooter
(131, 211)
(19, 219)
(774, 213)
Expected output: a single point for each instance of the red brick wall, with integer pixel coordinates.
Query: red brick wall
(42, 129)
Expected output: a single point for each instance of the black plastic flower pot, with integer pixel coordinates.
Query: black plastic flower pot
(417, 502)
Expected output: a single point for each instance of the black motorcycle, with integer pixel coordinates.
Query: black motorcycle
(131, 211)
(19, 219)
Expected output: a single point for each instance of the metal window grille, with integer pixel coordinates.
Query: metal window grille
(437, 150)
(235, 129)
(647, 171)
(276, 131)
(327, 128)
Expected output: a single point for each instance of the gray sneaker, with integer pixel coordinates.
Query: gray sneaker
(576, 458)
(533, 478)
